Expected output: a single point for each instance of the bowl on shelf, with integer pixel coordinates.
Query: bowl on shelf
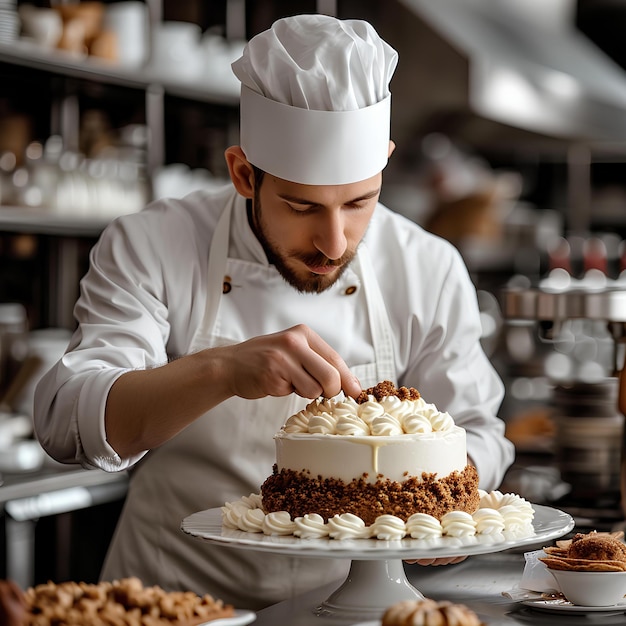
(591, 588)
(41, 24)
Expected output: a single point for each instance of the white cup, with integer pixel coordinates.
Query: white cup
(176, 50)
(129, 21)
(43, 25)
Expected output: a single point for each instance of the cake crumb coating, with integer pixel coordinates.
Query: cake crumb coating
(299, 494)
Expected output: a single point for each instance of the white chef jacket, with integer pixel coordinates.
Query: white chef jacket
(142, 302)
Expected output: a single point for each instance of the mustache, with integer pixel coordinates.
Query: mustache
(321, 260)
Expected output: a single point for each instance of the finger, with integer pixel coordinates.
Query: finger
(438, 561)
(331, 371)
(315, 377)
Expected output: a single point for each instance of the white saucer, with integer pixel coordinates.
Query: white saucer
(241, 618)
(568, 607)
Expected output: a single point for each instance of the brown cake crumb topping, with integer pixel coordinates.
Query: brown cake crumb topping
(387, 388)
(299, 494)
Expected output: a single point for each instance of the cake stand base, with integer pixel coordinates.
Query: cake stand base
(370, 588)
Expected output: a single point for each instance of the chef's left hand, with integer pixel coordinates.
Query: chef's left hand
(450, 560)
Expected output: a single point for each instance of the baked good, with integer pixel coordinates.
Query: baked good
(124, 601)
(387, 452)
(597, 547)
(429, 612)
(12, 604)
(387, 466)
(588, 552)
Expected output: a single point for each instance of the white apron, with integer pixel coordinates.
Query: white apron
(229, 451)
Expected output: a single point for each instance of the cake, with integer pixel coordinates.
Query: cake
(387, 452)
(387, 465)
(427, 611)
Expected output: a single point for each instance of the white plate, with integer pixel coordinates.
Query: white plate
(548, 524)
(241, 618)
(568, 607)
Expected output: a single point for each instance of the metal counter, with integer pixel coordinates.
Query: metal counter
(477, 582)
(52, 490)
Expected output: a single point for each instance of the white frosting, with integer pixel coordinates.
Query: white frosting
(352, 425)
(253, 501)
(516, 512)
(488, 521)
(498, 501)
(393, 439)
(251, 520)
(278, 523)
(347, 526)
(388, 527)
(458, 524)
(311, 526)
(423, 526)
(512, 520)
(324, 415)
(232, 511)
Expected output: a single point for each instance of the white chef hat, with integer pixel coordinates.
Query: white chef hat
(315, 101)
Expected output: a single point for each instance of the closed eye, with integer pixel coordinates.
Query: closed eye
(302, 205)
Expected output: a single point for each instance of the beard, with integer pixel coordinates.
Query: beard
(303, 281)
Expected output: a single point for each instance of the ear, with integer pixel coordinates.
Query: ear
(240, 170)
(392, 147)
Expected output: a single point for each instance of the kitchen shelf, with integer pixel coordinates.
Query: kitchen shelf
(43, 222)
(25, 54)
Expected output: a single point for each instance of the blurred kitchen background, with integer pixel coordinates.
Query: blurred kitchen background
(510, 123)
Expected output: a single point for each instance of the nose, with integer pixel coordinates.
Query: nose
(330, 238)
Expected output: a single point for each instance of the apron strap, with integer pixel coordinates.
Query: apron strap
(218, 257)
(380, 325)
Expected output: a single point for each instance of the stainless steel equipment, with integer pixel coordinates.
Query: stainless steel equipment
(589, 417)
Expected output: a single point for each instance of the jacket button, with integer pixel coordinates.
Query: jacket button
(350, 290)
(226, 286)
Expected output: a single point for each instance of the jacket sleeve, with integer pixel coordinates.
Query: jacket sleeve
(448, 363)
(122, 326)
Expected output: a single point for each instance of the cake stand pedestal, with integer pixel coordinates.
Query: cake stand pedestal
(369, 588)
(376, 579)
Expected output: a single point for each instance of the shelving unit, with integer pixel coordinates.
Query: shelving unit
(63, 237)
(27, 55)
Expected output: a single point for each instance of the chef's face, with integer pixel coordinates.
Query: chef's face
(311, 232)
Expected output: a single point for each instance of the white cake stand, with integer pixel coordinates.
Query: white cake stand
(376, 578)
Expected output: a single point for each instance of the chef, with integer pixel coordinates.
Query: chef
(204, 322)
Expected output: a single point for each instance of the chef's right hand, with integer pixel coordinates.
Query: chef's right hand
(293, 360)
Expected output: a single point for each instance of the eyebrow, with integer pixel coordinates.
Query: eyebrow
(298, 200)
